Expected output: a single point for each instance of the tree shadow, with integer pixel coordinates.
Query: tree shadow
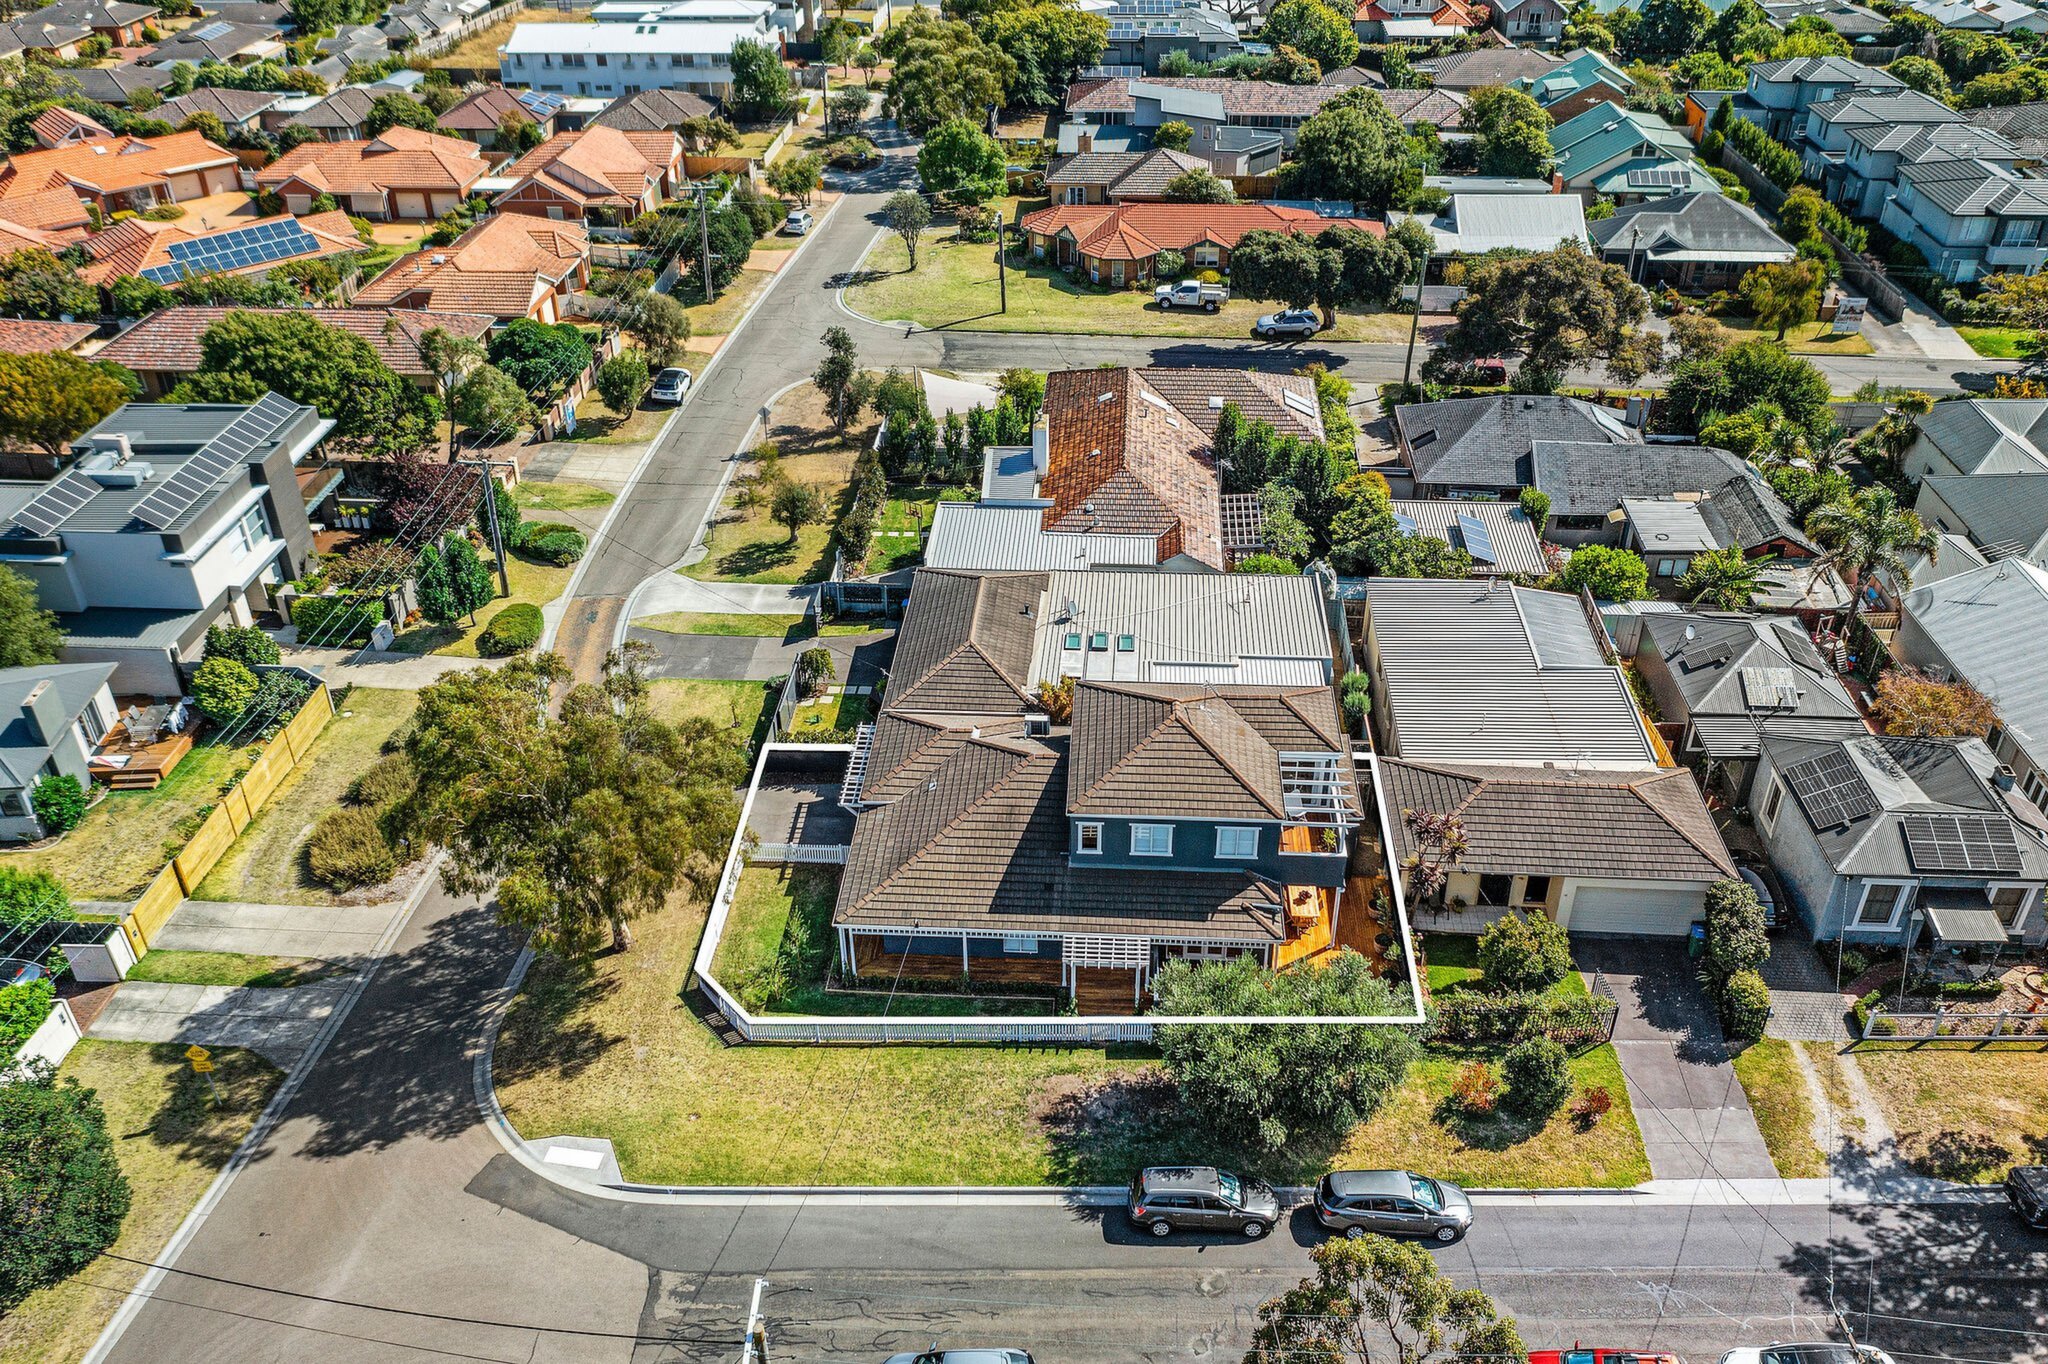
(1105, 1131)
(1499, 1130)
(197, 1122)
(1964, 1157)
(762, 556)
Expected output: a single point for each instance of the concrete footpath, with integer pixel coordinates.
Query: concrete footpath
(331, 933)
(277, 1024)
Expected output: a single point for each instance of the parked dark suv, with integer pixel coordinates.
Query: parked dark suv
(1170, 1198)
(2026, 1188)
(1392, 1203)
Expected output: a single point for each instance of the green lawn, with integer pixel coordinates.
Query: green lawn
(900, 529)
(736, 706)
(1454, 966)
(1784, 1112)
(1962, 1115)
(546, 496)
(837, 711)
(748, 546)
(171, 1139)
(715, 623)
(480, 50)
(721, 315)
(378, 256)
(266, 865)
(127, 838)
(532, 581)
(597, 424)
(1808, 338)
(955, 285)
(229, 968)
(1999, 343)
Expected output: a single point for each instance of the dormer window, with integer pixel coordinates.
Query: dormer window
(1088, 839)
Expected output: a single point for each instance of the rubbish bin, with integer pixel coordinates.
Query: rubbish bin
(1696, 940)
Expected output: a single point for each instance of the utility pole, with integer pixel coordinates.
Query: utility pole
(491, 518)
(1002, 270)
(1414, 325)
(704, 235)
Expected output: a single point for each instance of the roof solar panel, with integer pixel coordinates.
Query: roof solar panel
(1406, 524)
(236, 250)
(1964, 843)
(1706, 655)
(1831, 790)
(210, 32)
(49, 508)
(1478, 543)
(242, 435)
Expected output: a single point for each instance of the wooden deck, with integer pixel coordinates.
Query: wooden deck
(147, 764)
(1354, 927)
(872, 963)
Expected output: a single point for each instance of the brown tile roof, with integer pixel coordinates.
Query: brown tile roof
(167, 342)
(1651, 824)
(399, 158)
(1126, 175)
(107, 164)
(229, 106)
(133, 245)
(18, 337)
(1121, 460)
(965, 643)
(483, 111)
(981, 843)
(1241, 99)
(1443, 108)
(1486, 66)
(597, 165)
(1140, 231)
(1193, 390)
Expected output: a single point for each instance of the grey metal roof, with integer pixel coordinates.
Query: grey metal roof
(1990, 435)
(1989, 624)
(1895, 777)
(117, 627)
(1917, 142)
(1477, 223)
(1691, 227)
(1966, 187)
(1252, 629)
(1826, 69)
(1707, 654)
(1511, 535)
(114, 84)
(1997, 509)
(1501, 674)
(1486, 442)
(1884, 107)
(22, 751)
(1668, 526)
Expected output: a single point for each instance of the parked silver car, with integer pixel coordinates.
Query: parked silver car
(1169, 1198)
(1296, 323)
(937, 1356)
(1821, 1352)
(1392, 1203)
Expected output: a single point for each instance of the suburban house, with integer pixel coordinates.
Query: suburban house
(341, 116)
(1480, 66)
(1120, 473)
(1443, 110)
(1570, 88)
(1857, 23)
(1528, 846)
(58, 126)
(1199, 801)
(1737, 510)
(121, 24)
(401, 173)
(1969, 216)
(1484, 447)
(1501, 539)
(236, 109)
(509, 266)
(49, 40)
(1980, 436)
(264, 13)
(1980, 627)
(115, 85)
(1207, 104)
(1414, 21)
(171, 517)
(1781, 93)
(624, 59)
(1117, 244)
(1695, 242)
(162, 350)
(481, 116)
(218, 40)
(51, 218)
(1730, 680)
(1619, 154)
(1855, 145)
(596, 176)
(2025, 126)
(351, 46)
(1530, 21)
(51, 718)
(166, 253)
(115, 173)
(416, 21)
(653, 111)
(2004, 515)
(1875, 838)
(1118, 177)
(1474, 224)
(1983, 16)
(1142, 32)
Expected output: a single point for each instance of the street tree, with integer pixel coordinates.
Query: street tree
(1870, 533)
(797, 505)
(1912, 702)
(622, 381)
(1273, 1083)
(761, 87)
(908, 215)
(797, 177)
(581, 819)
(1556, 309)
(846, 108)
(1725, 579)
(434, 588)
(1371, 1290)
(1313, 29)
(961, 162)
(29, 636)
(942, 70)
(376, 411)
(1354, 148)
(1784, 294)
(62, 1194)
(35, 284)
(49, 400)
(661, 326)
(1341, 267)
(838, 378)
(1198, 186)
(867, 59)
(1512, 131)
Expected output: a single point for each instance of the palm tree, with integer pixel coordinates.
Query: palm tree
(1724, 579)
(1866, 534)
(1896, 431)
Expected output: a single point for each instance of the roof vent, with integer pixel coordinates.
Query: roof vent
(1037, 726)
(1215, 402)
(439, 259)
(1105, 397)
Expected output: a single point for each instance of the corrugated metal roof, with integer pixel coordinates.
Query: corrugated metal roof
(1477, 223)
(1989, 625)
(983, 536)
(1251, 629)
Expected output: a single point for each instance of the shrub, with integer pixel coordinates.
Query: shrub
(386, 782)
(972, 223)
(223, 688)
(1491, 1020)
(1169, 265)
(622, 380)
(1356, 692)
(347, 849)
(1745, 1006)
(29, 899)
(59, 802)
(561, 549)
(278, 698)
(1519, 953)
(534, 530)
(65, 1195)
(23, 1008)
(516, 627)
(246, 644)
(814, 668)
(1591, 1105)
(1735, 933)
(1539, 1076)
(336, 620)
(1476, 1090)
(1209, 276)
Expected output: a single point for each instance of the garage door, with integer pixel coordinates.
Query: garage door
(1635, 909)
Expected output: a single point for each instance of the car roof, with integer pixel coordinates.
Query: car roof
(1351, 1183)
(2033, 1178)
(1822, 1352)
(1198, 1177)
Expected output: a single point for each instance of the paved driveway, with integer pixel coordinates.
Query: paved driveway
(1695, 1118)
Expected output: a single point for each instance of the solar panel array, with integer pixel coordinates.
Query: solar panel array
(236, 250)
(1406, 524)
(199, 473)
(1831, 790)
(540, 104)
(210, 32)
(1706, 655)
(49, 508)
(1477, 542)
(1966, 843)
(1659, 177)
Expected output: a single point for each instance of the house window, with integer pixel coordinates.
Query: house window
(1126, 643)
(1882, 901)
(1020, 947)
(1494, 890)
(1536, 890)
(2010, 904)
(1773, 798)
(1237, 840)
(1151, 840)
(1098, 641)
(1669, 568)
(13, 805)
(1088, 838)
(2035, 787)
(1996, 737)
(252, 528)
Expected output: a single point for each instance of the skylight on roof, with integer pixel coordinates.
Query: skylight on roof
(1298, 402)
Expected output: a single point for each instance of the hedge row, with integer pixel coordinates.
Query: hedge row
(1489, 1019)
(856, 531)
(516, 627)
(336, 620)
(1778, 162)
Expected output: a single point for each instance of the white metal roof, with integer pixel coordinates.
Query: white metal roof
(1665, 525)
(983, 536)
(1247, 629)
(1478, 223)
(659, 39)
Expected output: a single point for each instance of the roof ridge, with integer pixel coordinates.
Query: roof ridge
(1133, 750)
(1194, 731)
(1636, 789)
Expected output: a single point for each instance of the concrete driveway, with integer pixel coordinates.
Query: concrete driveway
(1695, 1118)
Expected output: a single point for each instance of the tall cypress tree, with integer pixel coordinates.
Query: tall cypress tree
(434, 588)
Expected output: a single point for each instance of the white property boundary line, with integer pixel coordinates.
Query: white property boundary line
(547, 640)
(259, 1132)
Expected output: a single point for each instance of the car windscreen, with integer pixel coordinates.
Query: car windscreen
(1232, 1188)
(1812, 1354)
(1426, 1193)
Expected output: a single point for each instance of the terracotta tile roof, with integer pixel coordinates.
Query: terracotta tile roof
(58, 211)
(598, 165)
(1449, 14)
(499, 267)
(399, 158)
(107, 164)
(15, 237)
(18, 337)
(1139, 231)
(1241, 99)
(1121, 460)
(168, 341)
(483, 111)
(135, 244)
(57, 124)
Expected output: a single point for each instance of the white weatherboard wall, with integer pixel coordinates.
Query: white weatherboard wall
(53, 1041)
